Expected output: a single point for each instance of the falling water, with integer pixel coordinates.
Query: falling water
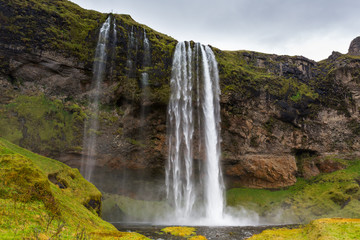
(114, 32)
(145, 85)
(132, 46)
(146, 61)
(92, 125)
(194, 193)
(179, 170)
(214, 200)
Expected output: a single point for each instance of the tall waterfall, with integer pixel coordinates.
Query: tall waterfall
(92, 125)
(195, 188)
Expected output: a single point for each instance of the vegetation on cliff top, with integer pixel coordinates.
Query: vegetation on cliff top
(66, 28)
(41, 198)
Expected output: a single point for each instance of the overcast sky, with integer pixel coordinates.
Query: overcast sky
(311, 28)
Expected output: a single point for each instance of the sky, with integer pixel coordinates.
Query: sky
(310, 28)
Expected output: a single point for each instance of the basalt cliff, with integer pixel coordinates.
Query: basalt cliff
(275, 110)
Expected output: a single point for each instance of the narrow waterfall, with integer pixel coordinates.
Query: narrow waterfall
(145, 87)
(92, 125)
(146, 61)
(195, 190)
(132, 50)
(114, 32)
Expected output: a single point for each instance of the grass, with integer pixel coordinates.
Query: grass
(324, 196)
(321, 229)
(33, 207)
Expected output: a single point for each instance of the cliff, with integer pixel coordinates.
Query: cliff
(276, 110)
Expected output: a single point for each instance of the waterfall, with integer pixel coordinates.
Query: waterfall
(132, 46)
(145, 85)
(214, 200)
(92, 125)
(194, 192)
(114, 32)
(146, 61)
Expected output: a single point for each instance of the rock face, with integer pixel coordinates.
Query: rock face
(354, 48)
(274, 109)
(314, 166)
(262, 171)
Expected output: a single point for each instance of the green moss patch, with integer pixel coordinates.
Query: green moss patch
(180, 231)
(34, 205)
(41, 124)
(321, 229)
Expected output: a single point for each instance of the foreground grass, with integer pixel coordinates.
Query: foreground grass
(321, 229)
(324, 196)
(41, 198)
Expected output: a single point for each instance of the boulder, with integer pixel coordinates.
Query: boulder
(262, 171)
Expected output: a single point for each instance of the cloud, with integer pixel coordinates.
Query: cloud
(312, 28)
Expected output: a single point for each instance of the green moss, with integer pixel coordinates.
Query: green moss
(34, 206)
(199, 237)
(135, 142)
(322, 229)
(326, 195)
(280, 234)
(41, 124)
(180, 231)
(244, 78)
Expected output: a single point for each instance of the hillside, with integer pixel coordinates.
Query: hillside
(42, 198)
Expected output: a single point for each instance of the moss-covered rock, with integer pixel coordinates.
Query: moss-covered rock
(43, 125)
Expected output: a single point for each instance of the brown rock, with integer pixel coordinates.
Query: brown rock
(314, 166)
(310, 169)
(354, 48)
(262, 171)
(329, 166)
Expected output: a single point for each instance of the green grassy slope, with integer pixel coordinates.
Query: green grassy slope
(321, 229)
(329, 195)
(42, 198)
